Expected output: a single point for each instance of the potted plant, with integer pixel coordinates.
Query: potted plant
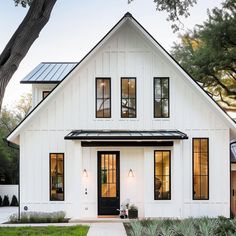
(133, 212)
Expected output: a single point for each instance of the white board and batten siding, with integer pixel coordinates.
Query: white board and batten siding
(127, 53)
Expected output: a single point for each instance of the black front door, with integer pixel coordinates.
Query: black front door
(108, 183)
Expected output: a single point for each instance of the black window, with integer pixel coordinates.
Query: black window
(103, 98)
(45, 94)
(161, 97)
(200, 169)
(128, 97)
(162, 187)
(56, 176)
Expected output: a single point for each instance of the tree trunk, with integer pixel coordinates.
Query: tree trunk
(21, 41)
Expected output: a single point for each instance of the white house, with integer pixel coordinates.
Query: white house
(125, 122)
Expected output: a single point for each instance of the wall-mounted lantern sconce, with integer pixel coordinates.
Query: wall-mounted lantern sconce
(131, 173)
(85, 173)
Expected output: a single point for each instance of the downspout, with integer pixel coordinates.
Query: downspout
(15, 146)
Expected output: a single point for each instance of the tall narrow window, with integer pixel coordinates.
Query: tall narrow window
(161, 97)
(103, 98)
(162, 188)
(200, 169)
(56, 177)
(128, 97)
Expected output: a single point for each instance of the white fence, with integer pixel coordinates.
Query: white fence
(9, 190)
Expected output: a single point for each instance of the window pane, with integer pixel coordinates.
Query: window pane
(204, 164)
(204, 187)
(197, 161)
(165, 108)
(165, 188)
(125, 88)
(131, 88)
(100, 108)
(158, 163)
(196, 143)
(107, 88)
(107, 108)
(157, 107)
(166, 163)
(204, 145)
(165, 89)
(158, 187)
(57, 177)
(196, 187)
(157, 88)
(100, 86)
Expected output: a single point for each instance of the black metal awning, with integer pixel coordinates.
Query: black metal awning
(125, 135)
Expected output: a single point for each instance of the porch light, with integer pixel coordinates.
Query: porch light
(131, 173)
(85, 173)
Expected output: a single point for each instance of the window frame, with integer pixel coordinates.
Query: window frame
(45, 91)
(128, 97)
(162, 175)
(161, 79)
(50, 185)
(208, 187)
(96, 98)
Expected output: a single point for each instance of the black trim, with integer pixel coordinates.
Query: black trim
(50, 196)
(96, 98)
(161, 199)
(126, 144)
(40, 82)
(132, 18)
(128, 97)
(154, 98)
(208, 187)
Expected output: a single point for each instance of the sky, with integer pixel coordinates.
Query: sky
(76, 26)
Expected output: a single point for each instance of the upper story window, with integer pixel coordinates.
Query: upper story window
(200, 169)
(162, 188)
(56, 176)
(128, 98)
(103, 97)
(45, 94)
(161, 97)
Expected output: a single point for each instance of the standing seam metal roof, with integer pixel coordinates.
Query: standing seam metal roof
(49, 72)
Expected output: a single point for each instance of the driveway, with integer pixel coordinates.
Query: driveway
(5, 212)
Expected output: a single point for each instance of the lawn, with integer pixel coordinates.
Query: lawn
(45, 231)
(220, 226)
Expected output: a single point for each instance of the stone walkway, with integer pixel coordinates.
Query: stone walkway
(107, 229)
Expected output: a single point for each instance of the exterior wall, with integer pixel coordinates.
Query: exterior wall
(37, 92)
(9, 190)
(126, 53)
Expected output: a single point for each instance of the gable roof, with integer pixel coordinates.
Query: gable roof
(49, 73)
(13, 135)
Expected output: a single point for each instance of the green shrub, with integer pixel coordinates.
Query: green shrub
(136, 228)
(5, 201)
(14, 201)
(0, 201)
(40, 217)
(225, 227)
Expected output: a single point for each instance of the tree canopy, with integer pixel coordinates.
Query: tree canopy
(208, 53)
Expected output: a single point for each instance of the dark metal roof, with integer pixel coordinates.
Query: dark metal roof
(49, 72)
(125, 134)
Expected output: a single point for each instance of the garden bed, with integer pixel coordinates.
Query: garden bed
(220, 226)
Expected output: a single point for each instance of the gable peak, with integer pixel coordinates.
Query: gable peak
(128, 14)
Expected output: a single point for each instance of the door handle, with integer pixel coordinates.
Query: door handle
(233, 192)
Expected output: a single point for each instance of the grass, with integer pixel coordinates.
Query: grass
(220, 226)
(45, 231)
